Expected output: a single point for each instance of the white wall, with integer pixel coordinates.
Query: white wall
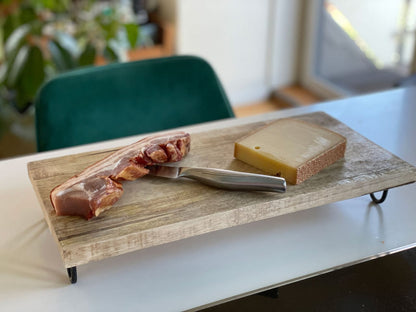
(285, 42)
(252, 45)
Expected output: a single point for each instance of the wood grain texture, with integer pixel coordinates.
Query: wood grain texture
(155, 210)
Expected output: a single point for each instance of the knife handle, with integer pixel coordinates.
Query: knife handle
(235, 180)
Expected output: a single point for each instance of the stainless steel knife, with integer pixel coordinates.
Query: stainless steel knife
(225, 179)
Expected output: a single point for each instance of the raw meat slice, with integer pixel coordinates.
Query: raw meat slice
(99, 186)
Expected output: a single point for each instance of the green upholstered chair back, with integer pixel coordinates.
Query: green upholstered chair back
(100, 103)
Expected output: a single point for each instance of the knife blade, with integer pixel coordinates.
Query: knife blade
(221, 178)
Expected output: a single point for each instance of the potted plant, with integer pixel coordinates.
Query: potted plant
(41, 38)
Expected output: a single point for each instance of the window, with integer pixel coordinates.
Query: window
(359, 46)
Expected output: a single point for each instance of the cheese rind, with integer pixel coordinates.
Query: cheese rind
(292, 149)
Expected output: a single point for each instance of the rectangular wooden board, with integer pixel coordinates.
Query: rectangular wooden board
(155, 210)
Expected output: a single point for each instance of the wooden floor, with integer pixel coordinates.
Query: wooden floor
(259, 107)
(287, 97)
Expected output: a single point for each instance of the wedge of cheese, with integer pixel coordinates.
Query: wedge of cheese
(291, 148)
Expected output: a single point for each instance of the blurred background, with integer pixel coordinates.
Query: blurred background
(268, 54)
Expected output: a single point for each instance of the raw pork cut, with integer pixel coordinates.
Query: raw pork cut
(99, 186)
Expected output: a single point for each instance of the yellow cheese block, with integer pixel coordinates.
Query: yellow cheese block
(291, 148)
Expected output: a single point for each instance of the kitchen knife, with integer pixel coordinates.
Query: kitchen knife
(225, 179)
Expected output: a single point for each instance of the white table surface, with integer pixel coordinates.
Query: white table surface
(222, 265)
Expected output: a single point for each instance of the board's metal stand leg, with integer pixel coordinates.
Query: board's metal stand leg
(72, 274)
(381, 199)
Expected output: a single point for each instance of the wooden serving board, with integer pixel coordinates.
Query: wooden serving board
(155, 210)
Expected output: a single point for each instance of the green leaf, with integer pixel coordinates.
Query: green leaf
(10, 24)
(48, 4)
(110, 29)
(87, 57)
(64, 5)
(31, 78)
(60, 56)
(4, 68)
(17, 66)
(33, 74)
(27, 15)
(110, 54)
(37, 27)
(15, 40)
(132, 31)
(60, 6)
(22, 102)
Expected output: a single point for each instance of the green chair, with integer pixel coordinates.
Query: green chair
(117, 100)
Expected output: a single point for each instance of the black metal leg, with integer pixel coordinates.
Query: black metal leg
(271, 293)
(381, 199)
(72, 274)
